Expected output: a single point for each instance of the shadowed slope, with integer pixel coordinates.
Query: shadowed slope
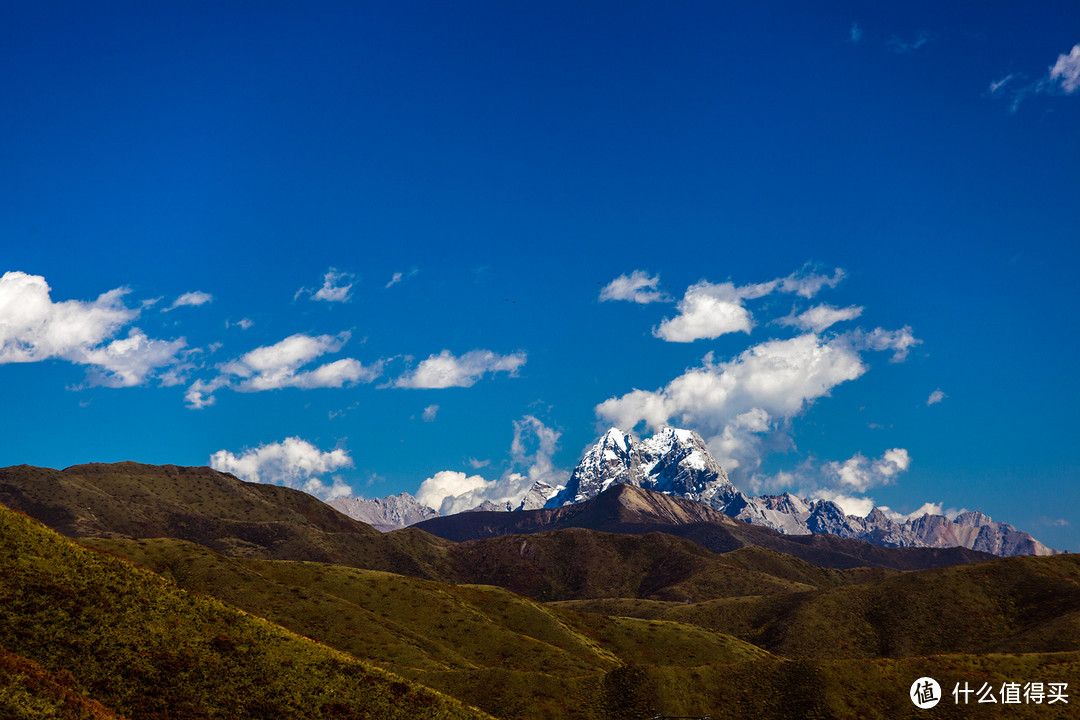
(632, 510)
(1022, 604)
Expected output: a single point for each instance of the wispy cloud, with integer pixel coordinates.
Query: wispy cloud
(429, 413)
(1063, 77)
(935, 397)
(190, 299)
(281, 365)
(821, 317)
(855, 33)
(638, 287)
(899, 46)
(398, 277)
(336, 287)
(446, 370)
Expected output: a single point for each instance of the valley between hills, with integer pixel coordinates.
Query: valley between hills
(154, 592)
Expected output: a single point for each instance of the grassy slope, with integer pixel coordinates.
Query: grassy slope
(1021, 604)
(146, 649)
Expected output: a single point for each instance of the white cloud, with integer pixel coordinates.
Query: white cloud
(779, 377)
(398, 277)
(709, 310)
(130, 361)
(1063, 76)
(928, 508)
(336, 287)
(996, 87)
(807, 283)
(531, 451)
(450, 491)
(1065, 73)
(33, 328)
(242, 323)
(859, 474)
(280, 365)
(476, 463)
(855, 33)
(292, 463)
(850, 504)
(899, 341)
(844, 483)
(638, 287)
(706, 311)
(190, 299)
(936, 397)
(820, 317)
(444, 370)
(429, 413)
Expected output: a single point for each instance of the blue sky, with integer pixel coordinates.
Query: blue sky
(362, 246)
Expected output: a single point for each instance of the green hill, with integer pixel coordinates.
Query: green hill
(145, 649)
(1020, 604)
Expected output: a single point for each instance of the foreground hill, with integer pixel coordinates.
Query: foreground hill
(118, 639)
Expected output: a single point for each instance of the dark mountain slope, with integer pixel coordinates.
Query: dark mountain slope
(628, 509)
(1022, 604)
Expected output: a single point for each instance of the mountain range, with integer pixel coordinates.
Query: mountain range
(678, 462)
(191, 594)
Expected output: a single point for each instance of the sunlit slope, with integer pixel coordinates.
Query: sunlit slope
(29, 692)
(1021, 605)
(146, 649)
(404, 622)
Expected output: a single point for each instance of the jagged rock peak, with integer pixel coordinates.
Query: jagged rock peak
(674, 461)
(385, 514)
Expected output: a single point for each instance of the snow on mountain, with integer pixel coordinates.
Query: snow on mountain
(678, 462)
(385, 514)
(672, 461)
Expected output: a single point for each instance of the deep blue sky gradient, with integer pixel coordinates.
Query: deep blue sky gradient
(520, 156)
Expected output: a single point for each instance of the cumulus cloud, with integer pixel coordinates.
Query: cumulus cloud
(190, 299)
(709, 310)
(281, 365)
(33, 328)
(739, 404)
(638, 287)
(429, 413)
(336, 287)
(293, 463)
(859, 474)
(1065, 73)
(935, 397)
(531, 452)
(845, 483)
(820, 317)
(445, 370)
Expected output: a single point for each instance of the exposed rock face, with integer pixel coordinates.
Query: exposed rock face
(488, 506)
(677, 462)
(671, 461)
(538, 495)
(385, 514)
